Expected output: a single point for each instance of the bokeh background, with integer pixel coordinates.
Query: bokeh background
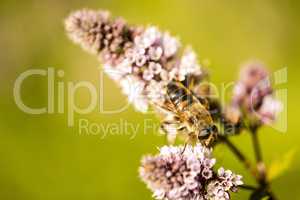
(42, 158)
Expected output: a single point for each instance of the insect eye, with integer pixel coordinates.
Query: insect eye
(214, 129)
(203, 132)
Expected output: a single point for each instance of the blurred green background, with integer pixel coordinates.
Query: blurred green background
(42, 158)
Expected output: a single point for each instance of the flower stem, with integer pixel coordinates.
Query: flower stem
(271, 195)
(256, 146)
(261, 169)
(260, 165)
(240, 156)
(248, 187)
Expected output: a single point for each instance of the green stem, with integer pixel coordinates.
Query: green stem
(256, 145)
(261, 169)
(260, 165)
(248, 187)
(240, 156)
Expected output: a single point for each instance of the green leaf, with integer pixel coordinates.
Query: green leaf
(279, 166)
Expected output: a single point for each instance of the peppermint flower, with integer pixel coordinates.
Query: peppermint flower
(226, 181)
(86, 28)
(147, 56)
(170, 45)
(187, 174)
(253, 86)
(252, 93)
(156, 91)
(188, 64)
(133, 88)
(269, 109)
(97, 33)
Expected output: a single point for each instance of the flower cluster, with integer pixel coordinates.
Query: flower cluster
(142, 60)
(226, 181)
(97, 33)
(187, 174)
(253, 94)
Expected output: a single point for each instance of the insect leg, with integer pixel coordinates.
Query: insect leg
(184, 148)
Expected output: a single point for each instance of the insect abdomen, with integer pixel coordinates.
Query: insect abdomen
(179, 96)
